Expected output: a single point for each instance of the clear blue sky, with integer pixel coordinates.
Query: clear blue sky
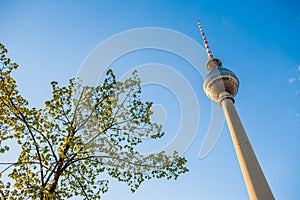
(258, 40)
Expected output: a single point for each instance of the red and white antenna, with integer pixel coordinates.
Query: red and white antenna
(209, 54)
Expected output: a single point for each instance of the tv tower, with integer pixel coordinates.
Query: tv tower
(221, 85)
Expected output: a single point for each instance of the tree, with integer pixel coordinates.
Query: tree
(81, 133)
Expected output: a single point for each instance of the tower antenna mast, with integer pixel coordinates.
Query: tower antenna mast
(209, 54)
(221, 85)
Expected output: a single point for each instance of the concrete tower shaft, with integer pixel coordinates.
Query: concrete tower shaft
(256, 183)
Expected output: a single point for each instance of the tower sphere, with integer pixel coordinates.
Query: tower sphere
(218, 81)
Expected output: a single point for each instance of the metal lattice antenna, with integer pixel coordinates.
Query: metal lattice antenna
(209, 54)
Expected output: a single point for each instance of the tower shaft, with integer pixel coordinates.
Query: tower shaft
(256, 183)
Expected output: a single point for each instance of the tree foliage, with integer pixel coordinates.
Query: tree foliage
(80, 134)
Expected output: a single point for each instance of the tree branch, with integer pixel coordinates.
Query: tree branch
(81, 186)
(23, 119)
(18, 163)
